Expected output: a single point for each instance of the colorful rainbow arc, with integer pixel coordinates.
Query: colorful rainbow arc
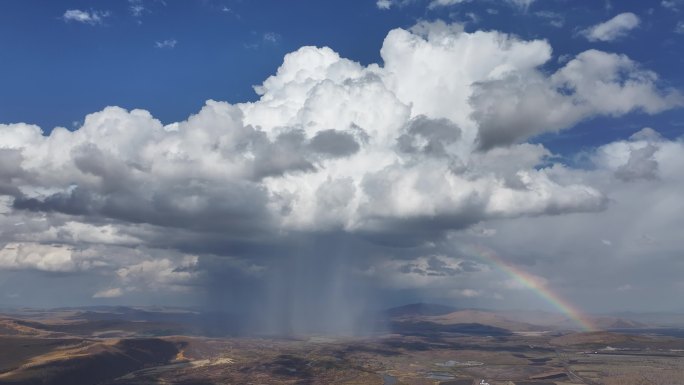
(534, 284)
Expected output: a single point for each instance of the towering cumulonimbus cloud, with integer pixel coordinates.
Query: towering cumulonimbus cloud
(367, 157)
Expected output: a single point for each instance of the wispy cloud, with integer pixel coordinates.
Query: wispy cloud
(136, 8)
(267, 38)
(522, 4)
(680, 27)
(671, 5)
(271, 37)
(554, 19)
(444, 3)
(109, 293)
(383, 4)
(525, 4)
(612, 29)
(229, 11)
(168, 43)
(85, 17)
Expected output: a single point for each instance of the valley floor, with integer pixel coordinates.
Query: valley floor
(66, 350)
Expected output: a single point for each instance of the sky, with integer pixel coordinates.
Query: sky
(307, 161)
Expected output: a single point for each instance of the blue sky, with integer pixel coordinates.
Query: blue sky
(219, 54)
(549, 131)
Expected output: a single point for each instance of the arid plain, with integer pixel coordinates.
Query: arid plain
(421, 344)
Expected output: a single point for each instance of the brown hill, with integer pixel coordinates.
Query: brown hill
(555, 321)
(596, 339)
(616, 323)
(92, 363)
(481, 317)
(13, 327)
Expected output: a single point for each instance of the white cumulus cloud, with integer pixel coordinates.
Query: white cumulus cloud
(401, 146)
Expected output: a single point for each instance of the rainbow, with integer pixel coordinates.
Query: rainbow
(530, 281)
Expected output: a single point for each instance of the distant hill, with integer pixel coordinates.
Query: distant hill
(430, 329)
(519, 321)
(597, 339)
(445, 318)
(12, 327)
(556, 321)
(617, 323)
(659, 319)
(489, 318)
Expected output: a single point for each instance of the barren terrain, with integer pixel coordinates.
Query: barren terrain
(75, 347)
